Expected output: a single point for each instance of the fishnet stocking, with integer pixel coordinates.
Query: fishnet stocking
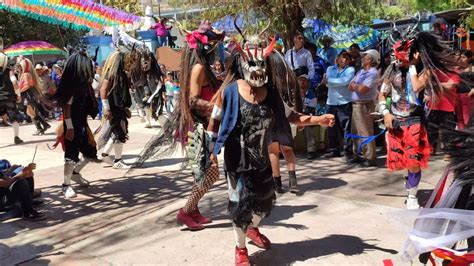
(198, 192)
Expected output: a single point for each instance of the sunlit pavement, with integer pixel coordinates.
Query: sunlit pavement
(344, 215)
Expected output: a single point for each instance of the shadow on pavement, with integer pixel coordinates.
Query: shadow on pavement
(286, 254)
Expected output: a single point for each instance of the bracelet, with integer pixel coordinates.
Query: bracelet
(382, 106)
(68, 122)
(105, 104)
(412, 70)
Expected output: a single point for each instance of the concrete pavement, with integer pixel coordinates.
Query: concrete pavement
(344, 216)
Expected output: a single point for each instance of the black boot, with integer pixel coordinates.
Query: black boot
(39, 129)
(278, 185)
(293, 183)
(44, 124)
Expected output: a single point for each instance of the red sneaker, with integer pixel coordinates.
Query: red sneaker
(188, 220)
(241, 257)
(196, 215)
(257, 238)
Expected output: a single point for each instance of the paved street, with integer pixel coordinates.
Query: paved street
(344, 216)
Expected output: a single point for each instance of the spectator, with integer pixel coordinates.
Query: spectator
(16, 186)
(364, 89)
(176, 90)
(299, 59)
(161, 31)
(96, 87)
(442, 110)
(320, 65)
(309, 108)
(339, 104)
(464, 101)
(356, 61)
(218, 70)
(328, 53)
(169, 93)
(45, 83)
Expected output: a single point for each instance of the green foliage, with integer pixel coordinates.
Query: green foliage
(16, 28)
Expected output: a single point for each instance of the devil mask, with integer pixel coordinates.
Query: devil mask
(253, 57)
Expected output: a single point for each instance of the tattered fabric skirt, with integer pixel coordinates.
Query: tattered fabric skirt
(250, 192)
(115, 128)
(408, 147)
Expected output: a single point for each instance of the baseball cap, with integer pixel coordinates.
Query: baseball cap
(305, 76)
(373, 53)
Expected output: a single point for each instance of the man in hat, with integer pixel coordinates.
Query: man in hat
(45, 83)
(364, 89)
(328, 53)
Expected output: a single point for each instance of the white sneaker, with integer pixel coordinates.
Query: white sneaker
(121, 165)
(412, 203)
(148, 126)
(106, 159)
(68, 192)
(80, 180)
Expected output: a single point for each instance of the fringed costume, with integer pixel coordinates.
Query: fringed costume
(448, 215)
(147, 84)
(423, 65)
(244, 128)
(192, 115)
(76, 98)
(116, 100)
(9, 96)
(28, 86)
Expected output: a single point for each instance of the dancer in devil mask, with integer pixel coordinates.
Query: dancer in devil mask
(76, 98)
(147, 82)
(191, 116)
(28, 85)
(9, 96)
(423, 69)
(248, 107)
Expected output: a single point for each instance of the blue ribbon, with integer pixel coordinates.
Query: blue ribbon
(409, 88)
(367, 139)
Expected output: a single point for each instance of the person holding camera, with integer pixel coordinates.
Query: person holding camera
(299, 59)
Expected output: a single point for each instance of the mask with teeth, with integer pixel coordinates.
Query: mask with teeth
(253, 65)
(253, 56)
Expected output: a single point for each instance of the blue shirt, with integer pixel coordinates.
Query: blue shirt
(369, 78)
(329, 55)
(310, 99)
(338, 82)
(320, 67)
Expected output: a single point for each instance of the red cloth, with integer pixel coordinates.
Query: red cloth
(408, 148)
(463, 109)
(207, 92)
(447, 101)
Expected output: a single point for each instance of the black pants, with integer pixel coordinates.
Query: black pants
(82, 142)
(20, 191)
(342, 114)
(436, 121)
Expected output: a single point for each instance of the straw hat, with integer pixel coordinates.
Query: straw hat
(326, 38)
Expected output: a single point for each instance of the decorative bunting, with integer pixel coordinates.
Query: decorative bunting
(75, 14)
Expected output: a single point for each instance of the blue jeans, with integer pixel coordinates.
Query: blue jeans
(169, 104)
(343, 114)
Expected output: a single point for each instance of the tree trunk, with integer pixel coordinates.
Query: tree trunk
(293, 17)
